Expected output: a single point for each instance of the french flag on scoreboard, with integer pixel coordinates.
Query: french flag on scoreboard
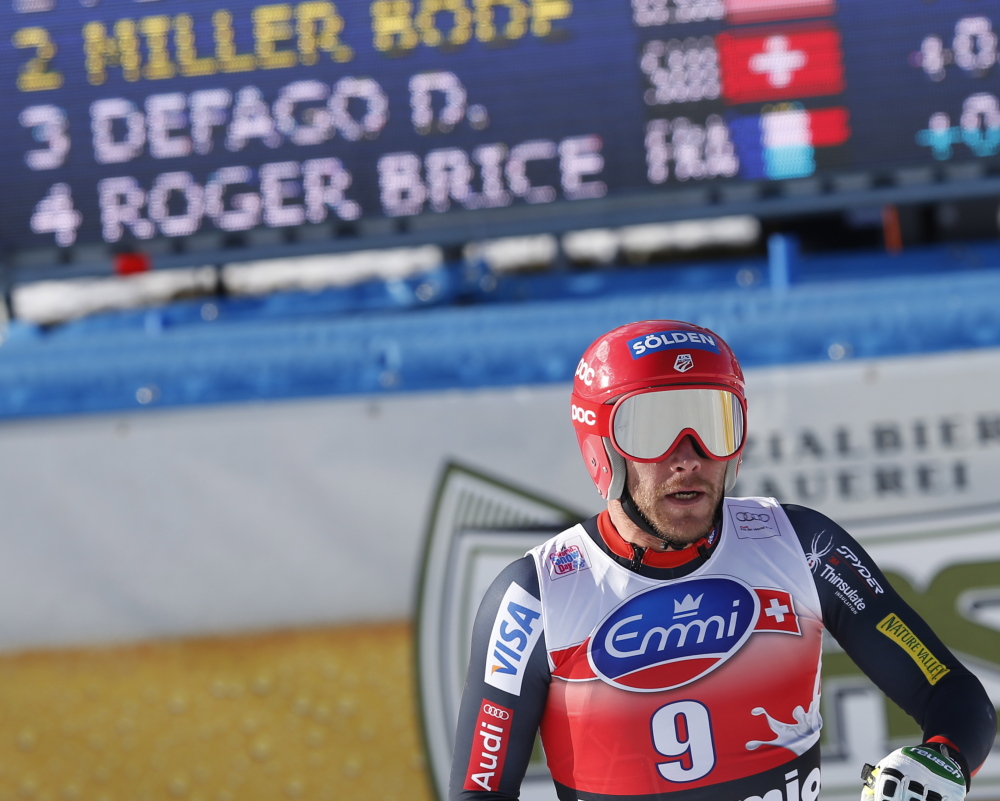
(781, 64)
(781, 143)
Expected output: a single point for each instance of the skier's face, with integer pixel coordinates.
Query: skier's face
(679, 494)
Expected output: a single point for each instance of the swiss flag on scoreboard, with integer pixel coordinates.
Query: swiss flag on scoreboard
(780, 64)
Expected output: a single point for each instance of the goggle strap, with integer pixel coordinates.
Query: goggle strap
(593, 418)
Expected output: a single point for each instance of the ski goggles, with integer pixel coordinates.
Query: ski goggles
(645, 426)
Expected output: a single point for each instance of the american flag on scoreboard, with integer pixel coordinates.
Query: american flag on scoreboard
(782, 143)
(780, 64)
(741, 12)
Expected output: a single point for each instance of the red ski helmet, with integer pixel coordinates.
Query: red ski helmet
(642, 387)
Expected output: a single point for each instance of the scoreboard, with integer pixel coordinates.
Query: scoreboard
(126, 121)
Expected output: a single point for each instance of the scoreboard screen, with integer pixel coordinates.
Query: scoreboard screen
(132, 120)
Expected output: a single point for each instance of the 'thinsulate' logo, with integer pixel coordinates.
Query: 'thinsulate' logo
(669, 636)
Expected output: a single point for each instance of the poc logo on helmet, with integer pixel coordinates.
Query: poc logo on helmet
(585, 373)
(585, 416)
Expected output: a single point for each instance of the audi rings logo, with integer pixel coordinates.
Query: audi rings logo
(747, 517)
(581, 415)
(496, 712)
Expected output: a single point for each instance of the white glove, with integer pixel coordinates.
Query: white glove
(914, 773)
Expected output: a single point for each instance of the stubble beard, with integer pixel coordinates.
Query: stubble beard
(676, 531)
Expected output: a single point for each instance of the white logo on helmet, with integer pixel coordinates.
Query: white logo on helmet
(585, 373)
(683, 363)
(585, 416)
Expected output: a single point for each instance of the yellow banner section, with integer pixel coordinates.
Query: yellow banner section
(894, 628)
(315, 714)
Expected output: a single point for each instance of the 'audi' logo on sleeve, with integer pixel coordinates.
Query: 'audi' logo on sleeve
(585, 416)
(496, 712)
(746, 517)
